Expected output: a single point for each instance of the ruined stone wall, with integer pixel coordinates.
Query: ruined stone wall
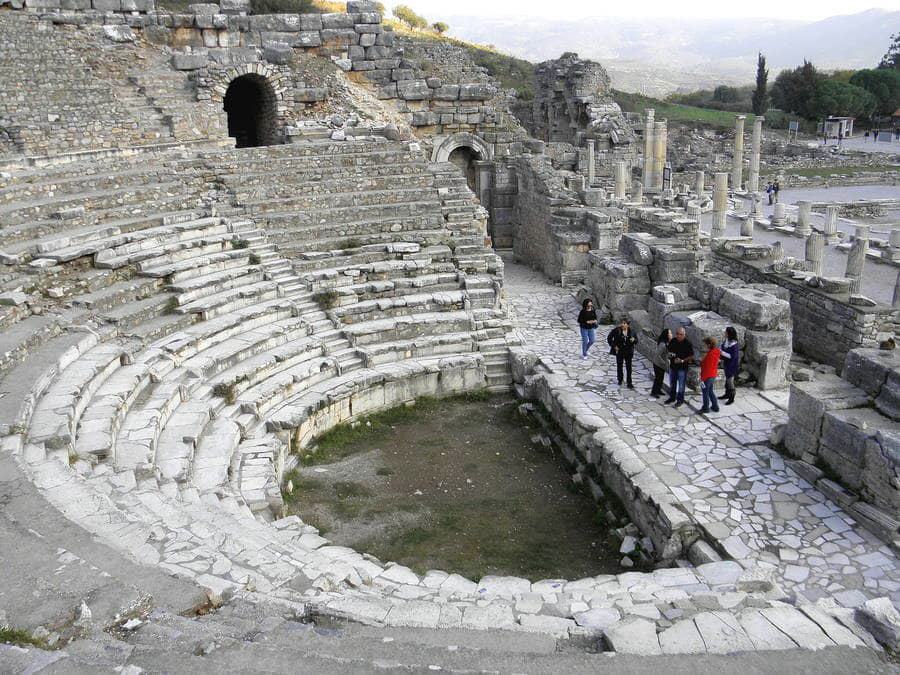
(826, 327)
(849, 427)
(573, 104)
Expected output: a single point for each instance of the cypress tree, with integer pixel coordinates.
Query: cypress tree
(761, 93)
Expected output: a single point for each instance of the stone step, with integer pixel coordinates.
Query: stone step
(404, 305)
(407, 327)
(416, 348)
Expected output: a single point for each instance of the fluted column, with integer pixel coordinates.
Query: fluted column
(830, 227)
(720, 205)
(755, 150)
(803, 228)
(660, 139)
(737, 162)
(856, 257)
(621, 179)
(815, 253)
(649, 149)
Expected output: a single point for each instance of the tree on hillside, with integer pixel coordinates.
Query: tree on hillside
(440, 27)
(761, 93)
(794, 90)
(883, 84)
(725, 94)
(846, 100)
(409, 17)
(891, 58)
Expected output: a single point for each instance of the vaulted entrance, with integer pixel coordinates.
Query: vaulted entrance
(251, 106)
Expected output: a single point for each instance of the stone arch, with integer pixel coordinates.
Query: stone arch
(444, 147)
(255, 98)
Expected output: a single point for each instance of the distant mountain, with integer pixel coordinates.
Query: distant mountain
(658, 56)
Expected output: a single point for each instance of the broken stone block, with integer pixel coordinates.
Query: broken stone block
(881, 472)
(810, 401)
(868, 368)
(13, 298)
(631, 246)
(709, 288)
(881, 619)
(767, 356)
(888, 401)
(845, 434)
(191, 61)
(755, 309)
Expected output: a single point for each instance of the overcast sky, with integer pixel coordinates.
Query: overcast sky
(575, 9)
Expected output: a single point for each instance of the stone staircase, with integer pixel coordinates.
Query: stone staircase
(156, 396)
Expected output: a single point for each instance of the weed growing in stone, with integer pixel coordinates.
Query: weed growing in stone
(19, 637)
(326, 299)
(225, 390)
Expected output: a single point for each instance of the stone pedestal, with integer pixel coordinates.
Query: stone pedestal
(803, 229)
(830, 227)
(779, 217)
(621, 180)
(737, 162)
(699, 180)
(747, 226)
(856, 258)
(720, 205)
(649, 148)
(755, 145)
(815, 253)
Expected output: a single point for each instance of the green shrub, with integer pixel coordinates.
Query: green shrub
(225, 390)
(326, 299)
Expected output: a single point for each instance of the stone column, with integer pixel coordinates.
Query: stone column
(699, 180)
(660, 138)
(590, 162)
(777, 252)
(815, 253)
(894, 243)
(755, 145)
(720, 205)
(747, 226)
(830, 227)
(896, 300)
(757, 198)
(803, 229)
(779, 217)
(737, 162)
(649, 149)
(621, 179)
(637, 192)
(856, 257)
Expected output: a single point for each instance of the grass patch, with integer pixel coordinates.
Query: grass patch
(675, 112)
(225, 390)
(240, 244)
(19, 637)
(254, 259)
(171, 305)
(384, 471)
(824, 171)
(339, 441)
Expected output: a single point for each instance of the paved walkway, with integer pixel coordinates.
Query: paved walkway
(738, 489)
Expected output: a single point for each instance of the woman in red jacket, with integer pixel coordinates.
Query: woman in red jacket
(709, 368)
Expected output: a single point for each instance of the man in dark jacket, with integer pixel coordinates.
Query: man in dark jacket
(621, 341)
(681, 355)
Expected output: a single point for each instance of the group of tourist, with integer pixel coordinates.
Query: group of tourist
(772, 189)
(673, 355)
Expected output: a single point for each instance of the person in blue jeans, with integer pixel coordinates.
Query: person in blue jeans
(587, 322)
(681, 355)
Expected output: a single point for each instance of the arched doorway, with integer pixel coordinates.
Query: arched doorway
(251, 106)
(465, 157)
